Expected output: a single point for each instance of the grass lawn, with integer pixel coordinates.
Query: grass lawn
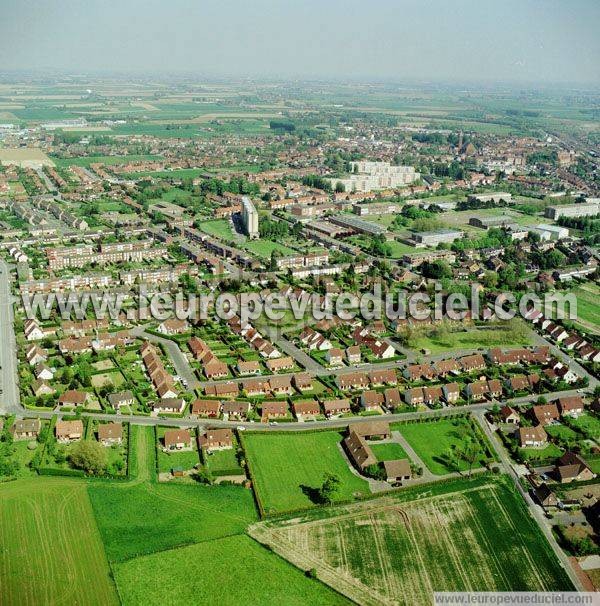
(464, 535)
(221, 228)
(50, 551)
(561, 431)
(594, 465)
(588, 423)
(552, 451)
(471, 339)
(432, 442)
(287, 469)
(141, 517)
(196, 573)
(388, 452)
(264, 248)
(220, 461)
(114, 379)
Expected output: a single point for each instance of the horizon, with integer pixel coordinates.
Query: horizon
(512, 43)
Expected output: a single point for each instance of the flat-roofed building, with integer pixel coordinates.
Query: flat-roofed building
(250, 217)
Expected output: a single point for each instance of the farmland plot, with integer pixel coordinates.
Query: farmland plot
(393, 552)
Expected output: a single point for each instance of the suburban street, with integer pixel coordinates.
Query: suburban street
(9, 397)
(535, 510)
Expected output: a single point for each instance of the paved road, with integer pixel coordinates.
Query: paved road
(180, 362)
(535, 510)
(10, 398)
(300, 356)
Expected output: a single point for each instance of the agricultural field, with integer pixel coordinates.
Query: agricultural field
(465, 535)
(433, 442)
(254, 575)
(23, 156)
(52, 552)
(287, 469)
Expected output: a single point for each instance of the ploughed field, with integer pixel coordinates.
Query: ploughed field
(460, 536)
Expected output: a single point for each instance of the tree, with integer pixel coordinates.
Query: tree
(89, 456)
(329, 488)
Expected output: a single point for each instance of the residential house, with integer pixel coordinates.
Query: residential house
(280, 385)
(173, 326)
(227, 389)
(177, 439)
(571, 406)
(205, 408)
(378, 430)
(397, 471)
(23, 429)
(237, 410)
(110, 434)
(392, 398)
(335, 357)
(352, 381)
(306, 408)
(334, 408)
(120, 399)
(451, 392)
(432, 395)
(303, 382)
(214, 369)
(353, 355)
(168, 406)
(273, 410)
(414, 396)
(371, 400)
(279, 364)
(359, 451)
(509, 415)
(68, 431)
(41, 388)
(545, 413)
(255, 387)
(250, 367)
(472, 362)
(216, 439)
(532, 437)
(73, 397)
(572, 468)
(385, 376)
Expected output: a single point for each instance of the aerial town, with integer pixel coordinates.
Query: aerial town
(232, 366)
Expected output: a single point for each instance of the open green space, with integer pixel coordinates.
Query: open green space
(552, 451)
(143, 516)
(221, 228)
(288, 468)
(196, 573)
(51, 550)
(388, 452)
(264, 248)
(439, 443)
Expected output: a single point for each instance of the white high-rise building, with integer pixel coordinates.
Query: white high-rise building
(250, 218)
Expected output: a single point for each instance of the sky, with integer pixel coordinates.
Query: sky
(525, 41)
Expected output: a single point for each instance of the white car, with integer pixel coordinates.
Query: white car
(241, 428)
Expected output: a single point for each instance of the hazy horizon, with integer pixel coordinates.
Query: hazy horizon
(529, 42)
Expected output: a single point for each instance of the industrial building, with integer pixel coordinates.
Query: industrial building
(433, 238)
(573, 210)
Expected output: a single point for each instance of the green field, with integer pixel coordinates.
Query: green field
(51, 552)
(221, 228)
(388, 452)
(466, 535)
(264, 248)
(587, 423)
(143, 516)
(473, 338)
(588, 308)
(196, 574)
(433, 441)
(552, 451)
(287, 468)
